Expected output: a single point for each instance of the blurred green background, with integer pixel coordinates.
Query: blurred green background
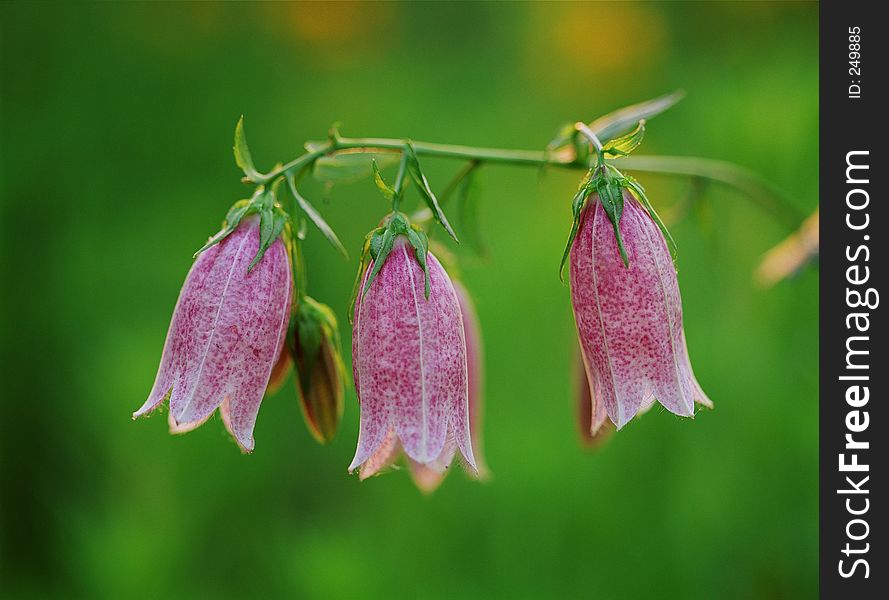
(117, 122)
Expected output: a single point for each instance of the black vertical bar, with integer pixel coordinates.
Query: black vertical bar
(853, 225)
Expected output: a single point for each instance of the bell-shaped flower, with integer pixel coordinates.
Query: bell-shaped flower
(226, 334)
(427, 478)
(409, 363)
(629, 313)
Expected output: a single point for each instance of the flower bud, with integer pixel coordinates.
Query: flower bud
(409, 360)
(314, 344)
(629, 314)
(279, 371)
(226, 335)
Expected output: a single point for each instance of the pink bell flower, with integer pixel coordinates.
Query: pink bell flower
(226, 335)
(410, 369)
(629, 316)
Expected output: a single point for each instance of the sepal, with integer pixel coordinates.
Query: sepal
(413, 165)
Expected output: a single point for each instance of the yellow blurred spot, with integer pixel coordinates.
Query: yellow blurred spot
(605, 38)
(336, 32)
(790, 255)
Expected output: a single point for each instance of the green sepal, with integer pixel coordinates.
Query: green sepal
(315, 217)
(639, 192)
(308, 329)
(242, 153)
(577, 204)
(611, 196)
(429, 198)
(385, 189)
(272, 219)
(238, 211)
(625, 144)
(381, 245)
(362, 266)
(420, 243)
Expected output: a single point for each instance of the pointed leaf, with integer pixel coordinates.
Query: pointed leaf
(625, 144)
(425, 191)
(242, 153)
(614, 123)
(315, 217)
(467, 211)
(384, 188)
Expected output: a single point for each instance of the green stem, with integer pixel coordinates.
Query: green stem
(760, 191)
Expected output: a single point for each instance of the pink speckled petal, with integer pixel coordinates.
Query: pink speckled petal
(254, 352)
(630, 319)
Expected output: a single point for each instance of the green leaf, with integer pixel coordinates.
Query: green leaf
(425, 191)
(468, 213)
(242, 153)
(625, 144)
(616, 122)
(349, 167)
(315, 217)
(384, 188)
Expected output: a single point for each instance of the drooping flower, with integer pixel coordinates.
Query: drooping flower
(409, 364)
(226, 335)
(314, 344)
(425, 477)
(629, 313)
